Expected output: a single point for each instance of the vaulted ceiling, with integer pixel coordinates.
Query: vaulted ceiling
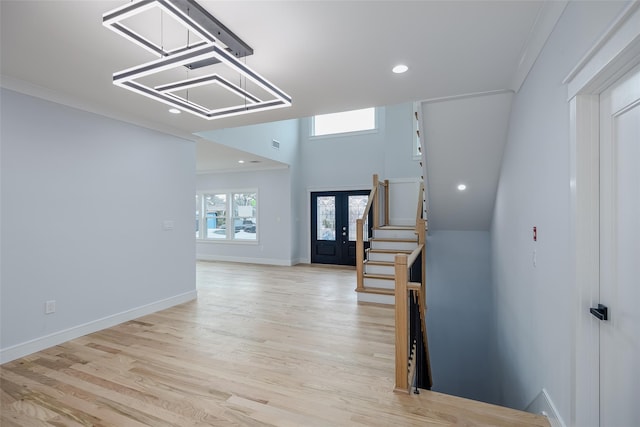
(327, 55)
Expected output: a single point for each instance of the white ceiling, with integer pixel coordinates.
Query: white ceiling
(468, 153)
(327, 55)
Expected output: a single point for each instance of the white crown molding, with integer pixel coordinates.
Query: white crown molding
(30, 89)
(242, 169)
(548, 16)
(619, 47)
(465, 96)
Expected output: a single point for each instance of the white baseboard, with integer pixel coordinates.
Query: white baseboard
(245, 260)
(20, 350)
(543, 405)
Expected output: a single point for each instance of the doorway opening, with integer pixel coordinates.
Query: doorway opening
(333, 225)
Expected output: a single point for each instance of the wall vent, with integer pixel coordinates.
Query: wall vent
(275, 144)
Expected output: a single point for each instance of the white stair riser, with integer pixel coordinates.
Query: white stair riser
(377, 244)
(379, 269)
(382, 256)
(379, 283)
(394, 234)
(376, 298)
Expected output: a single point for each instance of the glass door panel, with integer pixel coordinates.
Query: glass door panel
(326, 218)
(357, 205)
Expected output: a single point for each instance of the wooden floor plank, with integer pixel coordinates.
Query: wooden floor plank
(261, 346)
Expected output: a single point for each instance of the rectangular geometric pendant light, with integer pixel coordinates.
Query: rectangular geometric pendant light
(225, 48)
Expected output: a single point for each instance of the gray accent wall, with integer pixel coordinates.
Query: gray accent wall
(85, 203)
(460, 314)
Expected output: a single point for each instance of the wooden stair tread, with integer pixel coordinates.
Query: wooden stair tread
(397, 227)
(379, 276)
(390, 251)
(373, 290)
(393, 239)
(385, 263)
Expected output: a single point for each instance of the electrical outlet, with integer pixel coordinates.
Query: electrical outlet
(50, 307)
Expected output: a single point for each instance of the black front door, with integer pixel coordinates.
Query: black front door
(333, 225)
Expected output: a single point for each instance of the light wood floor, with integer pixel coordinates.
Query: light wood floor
(262, 345)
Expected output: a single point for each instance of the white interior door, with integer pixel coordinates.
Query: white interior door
(620, 252)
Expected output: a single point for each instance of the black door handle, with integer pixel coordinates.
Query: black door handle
(601, 312)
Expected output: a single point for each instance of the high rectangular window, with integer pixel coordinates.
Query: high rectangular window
(344, 122)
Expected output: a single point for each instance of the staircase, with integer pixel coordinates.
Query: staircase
(390, 270)
(378, 267)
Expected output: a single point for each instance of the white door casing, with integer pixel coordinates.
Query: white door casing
(617, 51)
(620, 251)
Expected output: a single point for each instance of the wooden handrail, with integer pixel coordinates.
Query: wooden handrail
(403, 263)
(403, 287)
(360, 235)
(413, 255)
(372, 203)
(386, 202)
(420, 203)
(421, 230)
(367, 208)
(359, 255)
(402, 327)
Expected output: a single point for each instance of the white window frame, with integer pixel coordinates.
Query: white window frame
(229, 219)
(376, 126)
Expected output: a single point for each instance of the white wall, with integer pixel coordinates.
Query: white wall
(84, 199)
(403, 200)
(328, 163)
(339, 161)
(274, 218)
(460, 314)
(400, 133)
(534, 321)
(349, 162)
(257, 139)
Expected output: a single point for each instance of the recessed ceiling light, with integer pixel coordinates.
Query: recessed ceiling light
(462, 187)
(400, 68)
(240, 161)
(174, 111)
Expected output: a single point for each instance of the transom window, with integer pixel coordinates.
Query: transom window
(344, 122)
(227, 215)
